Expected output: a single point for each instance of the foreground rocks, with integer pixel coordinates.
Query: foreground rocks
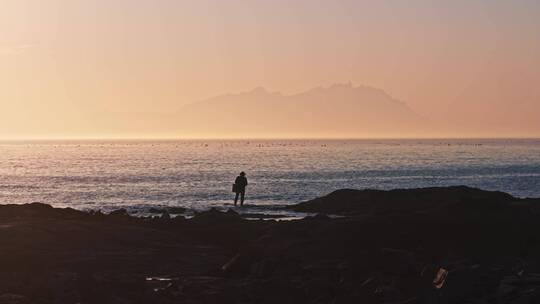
(437, 245)
(405, 201)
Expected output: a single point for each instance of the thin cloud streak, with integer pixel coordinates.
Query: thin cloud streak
(16, 49)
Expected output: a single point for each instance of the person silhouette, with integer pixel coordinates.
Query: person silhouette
(239, 188)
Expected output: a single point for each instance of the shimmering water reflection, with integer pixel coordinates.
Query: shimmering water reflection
(198, 174)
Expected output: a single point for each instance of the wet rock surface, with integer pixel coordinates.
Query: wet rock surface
(170, 210)
(437, 245)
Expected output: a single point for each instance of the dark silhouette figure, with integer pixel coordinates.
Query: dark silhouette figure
(239, 188)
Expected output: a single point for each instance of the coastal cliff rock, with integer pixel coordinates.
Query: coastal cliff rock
(371, 202)
(435, 245)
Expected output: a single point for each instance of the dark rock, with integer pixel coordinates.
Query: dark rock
(166, 216)
(377, 202)
(214, 215)
(119, 213)
(262, 216)
(176, 210)
(319, 217)
(155, 210)
(179, 219)
(63, 287)
(391, 253)
(170, 210)
(8, 298)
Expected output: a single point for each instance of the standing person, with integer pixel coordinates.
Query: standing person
(239, 188)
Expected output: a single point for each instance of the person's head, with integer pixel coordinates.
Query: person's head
(242, 173)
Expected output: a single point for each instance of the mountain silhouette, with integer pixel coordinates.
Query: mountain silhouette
(341, 110)
(338, 111)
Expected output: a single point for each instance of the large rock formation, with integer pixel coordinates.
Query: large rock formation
(371, 202)
(437, 245)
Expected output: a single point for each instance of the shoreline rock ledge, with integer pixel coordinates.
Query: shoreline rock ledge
(431, 245)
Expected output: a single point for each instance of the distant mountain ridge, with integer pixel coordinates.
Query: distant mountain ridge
(337, 111)
(341, 110)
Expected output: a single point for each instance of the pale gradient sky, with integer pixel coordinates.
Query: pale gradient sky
(448, 60)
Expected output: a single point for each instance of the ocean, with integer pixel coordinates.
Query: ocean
(198, 174)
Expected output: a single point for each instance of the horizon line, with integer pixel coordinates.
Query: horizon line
(47, 139)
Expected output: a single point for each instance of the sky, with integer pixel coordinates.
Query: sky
(472, 65)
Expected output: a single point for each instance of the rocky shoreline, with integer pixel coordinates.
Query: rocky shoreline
(433, 245)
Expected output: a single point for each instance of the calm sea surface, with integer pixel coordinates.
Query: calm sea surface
(198, 174)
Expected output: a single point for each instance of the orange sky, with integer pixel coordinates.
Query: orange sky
(473, 65)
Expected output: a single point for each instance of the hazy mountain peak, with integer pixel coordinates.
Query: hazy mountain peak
(333, 91)
(340, 110)
(344, 85)
(349, 91)
(259, 90)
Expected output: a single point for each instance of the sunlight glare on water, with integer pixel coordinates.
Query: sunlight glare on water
(198, 174)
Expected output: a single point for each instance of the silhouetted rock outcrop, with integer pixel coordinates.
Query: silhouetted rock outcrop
(215, 216)
(372, 202)
(170, 210)
(435, 245)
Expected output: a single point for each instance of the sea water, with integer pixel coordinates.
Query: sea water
(198, 174)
